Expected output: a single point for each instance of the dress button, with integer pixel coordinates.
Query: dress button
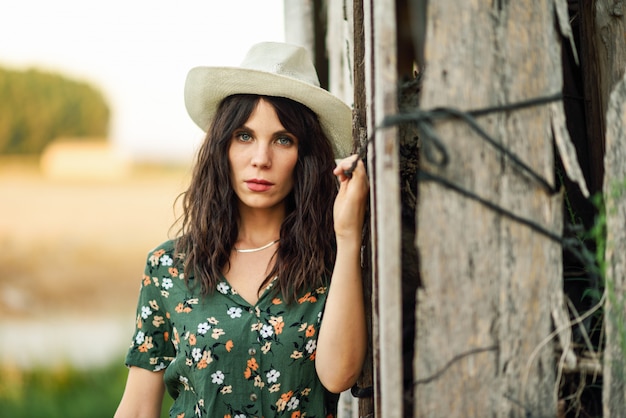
(251, 351)
(253, 397)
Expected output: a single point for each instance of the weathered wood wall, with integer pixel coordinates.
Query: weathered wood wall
(484, 304)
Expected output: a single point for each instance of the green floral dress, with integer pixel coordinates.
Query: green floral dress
(223, 357)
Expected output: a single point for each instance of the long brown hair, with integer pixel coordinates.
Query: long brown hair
(305, 256)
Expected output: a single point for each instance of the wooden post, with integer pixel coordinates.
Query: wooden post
(484, 306)
(381, 100)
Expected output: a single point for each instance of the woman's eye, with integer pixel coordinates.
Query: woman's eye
(244, 136)
(284, 140)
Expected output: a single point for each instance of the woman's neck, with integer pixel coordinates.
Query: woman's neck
(258, 227)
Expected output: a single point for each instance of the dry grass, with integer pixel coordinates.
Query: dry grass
(79, 246)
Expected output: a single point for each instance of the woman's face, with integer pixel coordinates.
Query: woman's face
(262, 157)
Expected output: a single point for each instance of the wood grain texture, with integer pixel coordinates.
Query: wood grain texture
(484, 305)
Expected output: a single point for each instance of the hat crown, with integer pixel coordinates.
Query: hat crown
(282, 59)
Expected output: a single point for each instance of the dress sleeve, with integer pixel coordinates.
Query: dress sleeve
(152, 347)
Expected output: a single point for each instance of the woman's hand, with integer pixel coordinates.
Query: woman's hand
(350, 203)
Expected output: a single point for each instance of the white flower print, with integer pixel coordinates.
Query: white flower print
(267, 331)
(239, 416)
(160, 366)
(310, 346)
(139, 338)
(223, 288)
(203, 328)
(293, 404)
(196, 353)
(272, 376)
(167, 283)
(145, 312)
(217, 377)
(234, 312)
(166, 260)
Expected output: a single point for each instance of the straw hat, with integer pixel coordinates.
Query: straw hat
(270, 69)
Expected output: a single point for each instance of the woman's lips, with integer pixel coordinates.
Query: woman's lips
(257, 185)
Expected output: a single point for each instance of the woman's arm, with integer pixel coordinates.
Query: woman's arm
(143, 394)
(341, 345)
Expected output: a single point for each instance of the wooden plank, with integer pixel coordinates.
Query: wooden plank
(614, 382)
(359, 132)
(380, 50)
(484, 306)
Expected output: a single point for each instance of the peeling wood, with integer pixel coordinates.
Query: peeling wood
(567, 152)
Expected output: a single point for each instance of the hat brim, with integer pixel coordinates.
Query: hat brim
(206, 87)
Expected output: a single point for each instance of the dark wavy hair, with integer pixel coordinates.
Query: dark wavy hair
(209, 228)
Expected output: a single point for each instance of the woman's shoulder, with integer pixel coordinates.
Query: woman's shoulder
(165, 254)
(168, 247)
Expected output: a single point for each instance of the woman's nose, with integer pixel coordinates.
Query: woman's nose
(262, 155)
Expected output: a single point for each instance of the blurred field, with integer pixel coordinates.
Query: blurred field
(72, 251)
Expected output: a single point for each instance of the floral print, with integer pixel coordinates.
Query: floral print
(223, 357)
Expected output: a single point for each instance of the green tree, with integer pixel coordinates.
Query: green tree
(36, 107)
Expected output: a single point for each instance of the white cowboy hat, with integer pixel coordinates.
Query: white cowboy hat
(270, 69)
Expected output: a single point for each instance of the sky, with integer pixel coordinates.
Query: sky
(138, 53)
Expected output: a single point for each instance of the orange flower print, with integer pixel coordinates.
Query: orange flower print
(252, 364)
(180, 307)
(229, 345)
(146, 280)
(173, 271)
(310, 331)
(192, 339)
(276, 301)
(202, 364)
(180, 415)
(308, 297)
(286, 396)
(147, 345)
(228, 416)
(277, 323)
(304, 298)
(295, 414)
(247, 373)
(187, 309)
(312, 356)
(166, 336)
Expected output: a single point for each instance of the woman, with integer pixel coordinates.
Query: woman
(256, 309)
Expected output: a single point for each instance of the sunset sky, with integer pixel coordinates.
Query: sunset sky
(138, 53)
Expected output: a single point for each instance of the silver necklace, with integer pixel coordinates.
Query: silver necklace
(254, 250)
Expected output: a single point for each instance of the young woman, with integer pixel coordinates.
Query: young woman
(256, 309)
